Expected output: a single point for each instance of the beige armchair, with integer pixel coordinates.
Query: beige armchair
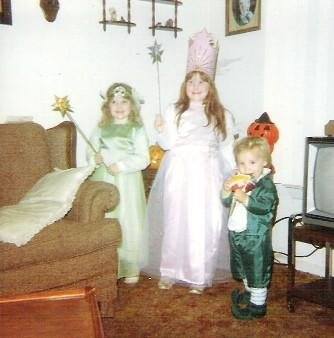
(77, 251)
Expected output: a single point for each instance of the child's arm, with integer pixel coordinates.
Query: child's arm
(241, 196)
(263, 201)
(139, 159)
(226, 146)
(167, 129)
(226, 193)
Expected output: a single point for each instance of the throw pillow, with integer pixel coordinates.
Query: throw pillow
(47, 201)
(59, 185)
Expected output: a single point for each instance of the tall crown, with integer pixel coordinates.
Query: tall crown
(202, 53)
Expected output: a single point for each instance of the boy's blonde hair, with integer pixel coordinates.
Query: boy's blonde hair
(128, 94)
(254, 143)
(214, 109)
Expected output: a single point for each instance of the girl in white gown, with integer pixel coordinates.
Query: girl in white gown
(185, 213)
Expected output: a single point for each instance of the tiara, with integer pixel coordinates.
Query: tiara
(202, 53)
(119, 91)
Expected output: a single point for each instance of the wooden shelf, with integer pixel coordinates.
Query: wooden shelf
(126, 23)
(166, 28)
(161, 27)
(166, 2)
(117, 23)
(320, 291)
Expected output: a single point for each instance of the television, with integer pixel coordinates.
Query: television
(318, 189)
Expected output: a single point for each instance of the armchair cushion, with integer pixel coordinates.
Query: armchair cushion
(45, 246)
(46, 202)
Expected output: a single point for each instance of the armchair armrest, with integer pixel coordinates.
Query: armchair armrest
(93, 200)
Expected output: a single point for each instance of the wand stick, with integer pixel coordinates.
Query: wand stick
(156, 52)
(159, 96)
(62, 105)
(81, 132)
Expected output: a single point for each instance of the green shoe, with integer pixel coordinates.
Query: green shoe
(251, 311)
(240, 297)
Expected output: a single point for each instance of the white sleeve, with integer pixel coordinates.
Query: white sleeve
(226, 146)
(167, 137)
(139, 159)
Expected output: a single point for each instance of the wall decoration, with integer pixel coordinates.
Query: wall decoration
(242, 16)
(5, 12)
(263, 127)
(50, 9)
(170, 24)
(113, 18)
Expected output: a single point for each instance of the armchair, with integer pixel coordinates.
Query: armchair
(77, 251)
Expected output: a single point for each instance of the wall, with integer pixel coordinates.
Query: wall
(73, 56)
(298, 84)
(298, 77)
(283, 69)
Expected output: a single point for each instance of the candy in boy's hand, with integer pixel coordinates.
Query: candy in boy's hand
(240, 181)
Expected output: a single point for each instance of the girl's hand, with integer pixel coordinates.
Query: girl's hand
(240, 196)
(159, 123)
(113, 169)
(98, 158)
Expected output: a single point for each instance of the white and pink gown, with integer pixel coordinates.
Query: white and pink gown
(187, 221)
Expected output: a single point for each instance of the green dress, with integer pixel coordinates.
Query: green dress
(127, 146)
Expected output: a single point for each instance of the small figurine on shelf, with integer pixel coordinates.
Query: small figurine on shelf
(169, 23)
(329, 128)
(113, 14)
(159, 24)
(122, 19)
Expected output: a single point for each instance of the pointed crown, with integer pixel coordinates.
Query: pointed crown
(202, 53)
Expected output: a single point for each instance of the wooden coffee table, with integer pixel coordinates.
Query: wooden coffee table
(51, 314)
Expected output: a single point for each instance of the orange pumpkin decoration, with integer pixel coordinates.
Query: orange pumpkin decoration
(263, 127)
(156, 155)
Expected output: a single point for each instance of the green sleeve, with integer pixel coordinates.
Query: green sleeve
(263, 199)
(226, 198)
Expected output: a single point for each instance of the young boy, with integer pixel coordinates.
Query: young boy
(252, 198)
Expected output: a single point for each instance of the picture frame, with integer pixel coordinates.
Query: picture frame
(242, 16)
(5, 12)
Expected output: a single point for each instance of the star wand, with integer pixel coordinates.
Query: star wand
(62, 105)
(156, 52)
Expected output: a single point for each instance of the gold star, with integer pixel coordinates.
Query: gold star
(62, 105)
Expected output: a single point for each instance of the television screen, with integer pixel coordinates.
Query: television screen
(318, 204)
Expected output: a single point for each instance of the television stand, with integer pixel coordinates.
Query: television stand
(320, 291)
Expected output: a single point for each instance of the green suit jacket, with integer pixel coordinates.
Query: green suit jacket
(251, 250)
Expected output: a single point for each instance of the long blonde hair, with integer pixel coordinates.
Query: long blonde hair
(129, 94)
(214, 109)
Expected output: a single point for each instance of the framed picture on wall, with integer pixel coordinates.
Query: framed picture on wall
(242, 16)
(5, 12)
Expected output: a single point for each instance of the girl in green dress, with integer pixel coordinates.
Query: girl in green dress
(122, 146)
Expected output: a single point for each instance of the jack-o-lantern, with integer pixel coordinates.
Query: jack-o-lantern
(263, 127)
(156, 155)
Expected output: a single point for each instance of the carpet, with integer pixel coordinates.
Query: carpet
(145, 311)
